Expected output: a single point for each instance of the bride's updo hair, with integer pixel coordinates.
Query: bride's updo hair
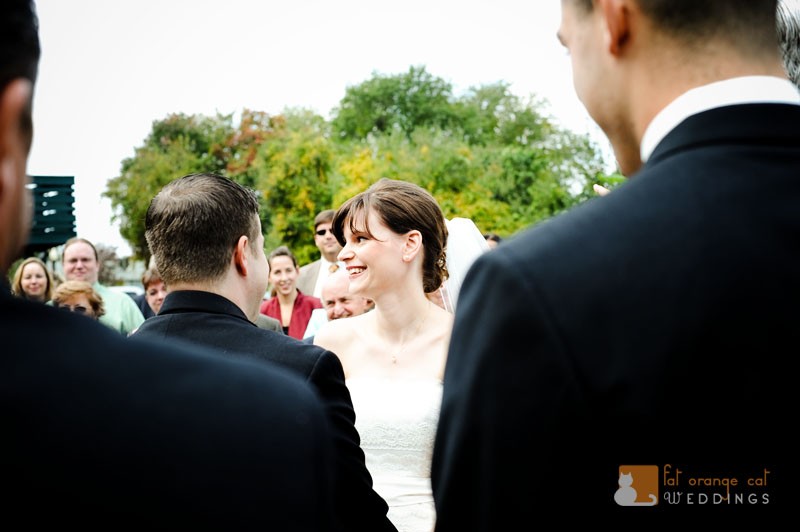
(403, 207)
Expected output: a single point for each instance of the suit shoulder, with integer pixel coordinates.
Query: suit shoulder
(310, 265)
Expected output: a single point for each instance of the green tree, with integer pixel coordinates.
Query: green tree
(487, 155)
(293, 175)
(176, 146)
(110, 261)
(403, 102)
(491, 114)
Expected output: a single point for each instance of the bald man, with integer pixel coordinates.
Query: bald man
(337, 303)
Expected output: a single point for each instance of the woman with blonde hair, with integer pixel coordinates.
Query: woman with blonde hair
(33, 281)
(80, 297)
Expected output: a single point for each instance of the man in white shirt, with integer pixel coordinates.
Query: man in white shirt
(312, 276)
(337, 303)
(646, 326)
(81, 263)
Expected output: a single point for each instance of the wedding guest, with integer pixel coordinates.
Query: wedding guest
(337, 303)
(312, 276)
(80, 297)
(102, 431)
(651, 325)
(154, 291)
(492, 239)
(33, 281)
(82, 263)
(288, 305)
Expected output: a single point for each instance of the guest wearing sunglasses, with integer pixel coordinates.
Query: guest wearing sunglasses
(79, 297)
(312, 276)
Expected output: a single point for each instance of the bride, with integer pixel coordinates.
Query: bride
(394, 236)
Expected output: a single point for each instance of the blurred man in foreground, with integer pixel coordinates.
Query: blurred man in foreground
(100, 430)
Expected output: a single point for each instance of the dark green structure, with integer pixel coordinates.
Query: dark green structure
(54, 212)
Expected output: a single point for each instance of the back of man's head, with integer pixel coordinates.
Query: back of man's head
(193, 224)
(744, 25)
(19, 41)
(19, 58)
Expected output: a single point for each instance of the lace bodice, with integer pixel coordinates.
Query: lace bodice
(397, 419)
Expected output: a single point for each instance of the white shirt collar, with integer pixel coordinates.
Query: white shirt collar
(747, 89)
(324, 272)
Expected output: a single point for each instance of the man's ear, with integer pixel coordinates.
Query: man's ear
(15, 144)
(616, 16)
(15, 128)
(240, 255)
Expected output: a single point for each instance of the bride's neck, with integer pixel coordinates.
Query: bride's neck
(396, 318)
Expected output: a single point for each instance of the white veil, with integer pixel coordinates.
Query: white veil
(464, 244)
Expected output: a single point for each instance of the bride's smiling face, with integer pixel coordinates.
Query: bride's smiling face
(373, 256)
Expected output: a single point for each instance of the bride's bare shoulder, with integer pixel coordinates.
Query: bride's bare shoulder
(339, 332)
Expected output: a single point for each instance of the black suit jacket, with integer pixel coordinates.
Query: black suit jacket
(106, 432)
(212, 320)
(144, 306)
(651, 326)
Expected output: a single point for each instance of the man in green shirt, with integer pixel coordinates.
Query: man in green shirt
(81, 263)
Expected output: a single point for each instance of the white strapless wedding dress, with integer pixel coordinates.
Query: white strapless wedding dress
(397, 419)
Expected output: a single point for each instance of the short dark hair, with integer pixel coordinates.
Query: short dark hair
(325, 216)
(193, 224)
(19, 42)
(493, 236)
(403, 207)
(19, 50)
(748, 25)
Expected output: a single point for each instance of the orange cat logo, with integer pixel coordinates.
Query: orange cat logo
(638, 486)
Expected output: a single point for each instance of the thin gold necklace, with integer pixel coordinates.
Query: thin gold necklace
(416, 332)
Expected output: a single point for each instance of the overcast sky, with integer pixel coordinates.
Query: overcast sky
(111, 68)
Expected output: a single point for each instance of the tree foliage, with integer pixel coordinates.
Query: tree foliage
(294, 178)
(176, 146)
(487, 155)
(385, 104)
(109, 261)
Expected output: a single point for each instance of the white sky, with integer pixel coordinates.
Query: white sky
(110, 68)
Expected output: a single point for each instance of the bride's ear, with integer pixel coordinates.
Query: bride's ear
(412, 245)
